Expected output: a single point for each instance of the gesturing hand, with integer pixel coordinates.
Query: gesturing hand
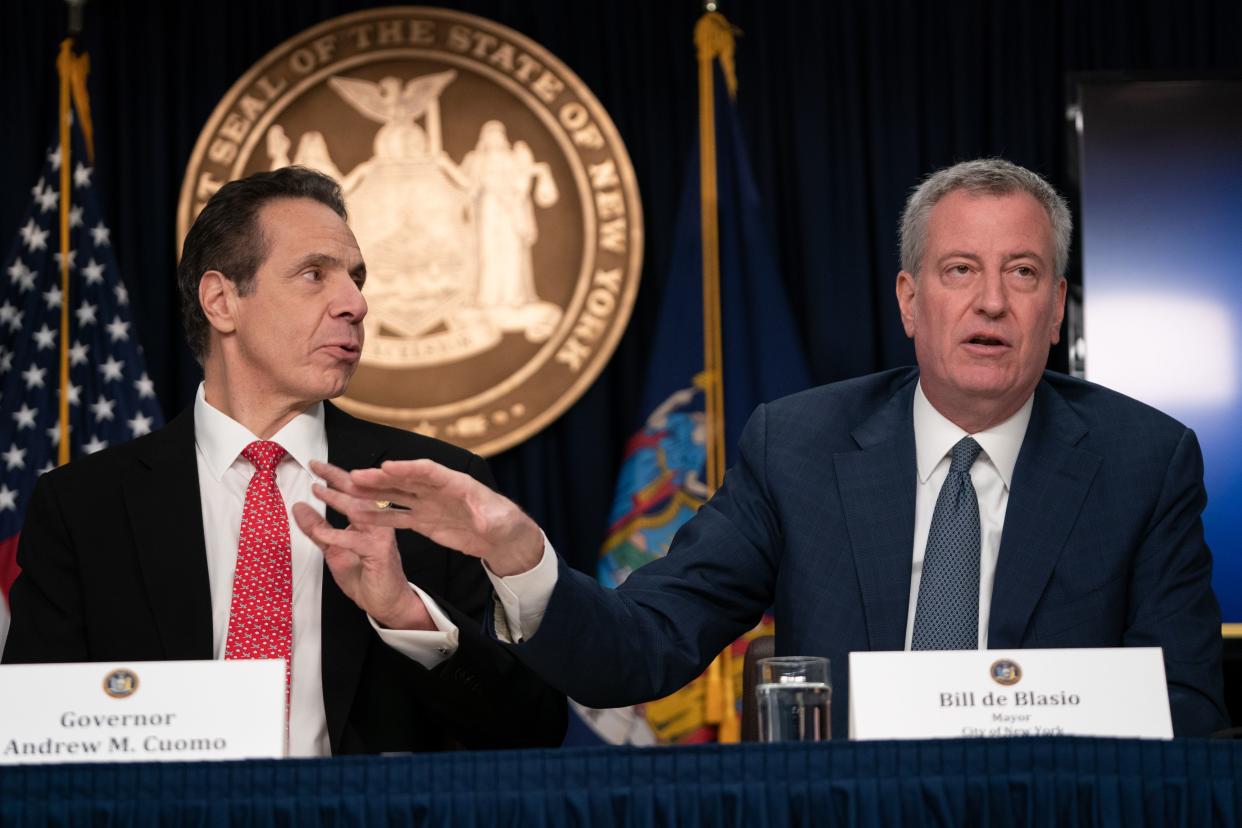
(365, 564)
(449, 507)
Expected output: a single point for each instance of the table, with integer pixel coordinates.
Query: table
(1032, 781)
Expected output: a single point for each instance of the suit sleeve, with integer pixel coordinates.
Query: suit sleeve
(46, 599)
(660, 629)
(1171, 600)
(487, 697)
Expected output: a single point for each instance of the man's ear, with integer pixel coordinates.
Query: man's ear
(1059, 311)
(217, 296)
(907, 287)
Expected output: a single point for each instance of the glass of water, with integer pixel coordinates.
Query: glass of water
(794, 695)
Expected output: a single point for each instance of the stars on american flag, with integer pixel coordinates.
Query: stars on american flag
(140, 424)
(144, 386)
(118, 329)
(45, 337)
(25, 417)
(73, 255)
(85, 313)
(14, 458)
(47, 200)
(102, 408)
(10, 316)
(34, 376)
(22, 276)
(93, 273)
(111, 370)
(109, 395)
(34, 237)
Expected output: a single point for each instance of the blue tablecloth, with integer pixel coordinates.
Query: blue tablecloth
(1038, 781)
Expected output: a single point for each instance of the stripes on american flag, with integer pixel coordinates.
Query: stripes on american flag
(111, 398)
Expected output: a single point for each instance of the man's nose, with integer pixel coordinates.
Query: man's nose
(349, 301)
(993, 298)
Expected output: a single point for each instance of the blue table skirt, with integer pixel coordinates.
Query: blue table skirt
(1036, 781)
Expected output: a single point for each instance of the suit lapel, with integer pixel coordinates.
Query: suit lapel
(345, 628)
(162, 499)
(1050, 483)
(877, 488)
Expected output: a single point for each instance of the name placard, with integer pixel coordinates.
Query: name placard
(142, 711)
(945, 694)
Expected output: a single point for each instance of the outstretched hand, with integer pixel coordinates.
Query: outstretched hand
(449, 507)
(365, 564)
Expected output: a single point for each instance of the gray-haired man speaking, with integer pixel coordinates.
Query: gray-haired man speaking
(974, 501)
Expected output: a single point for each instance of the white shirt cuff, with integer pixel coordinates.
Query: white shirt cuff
(428, 647)
(524, 597)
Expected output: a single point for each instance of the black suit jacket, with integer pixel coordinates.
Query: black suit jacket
(114, 568)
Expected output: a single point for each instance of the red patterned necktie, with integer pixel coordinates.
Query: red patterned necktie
(261, 613)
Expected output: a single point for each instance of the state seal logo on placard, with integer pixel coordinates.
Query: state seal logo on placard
(492, 198)
(1006, 672)
(120, 684)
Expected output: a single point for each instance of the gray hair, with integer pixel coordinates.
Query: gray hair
(983, 176)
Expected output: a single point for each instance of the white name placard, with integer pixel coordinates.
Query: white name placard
(142, 711)
(945, 694)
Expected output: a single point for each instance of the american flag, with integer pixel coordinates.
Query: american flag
(111, 398)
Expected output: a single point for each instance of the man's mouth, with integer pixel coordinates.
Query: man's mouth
(348, 351)
(986, 345)
(987, 340)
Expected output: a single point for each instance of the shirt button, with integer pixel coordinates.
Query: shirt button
(442, 650)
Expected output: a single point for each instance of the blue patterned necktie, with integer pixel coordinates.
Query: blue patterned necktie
(947, 614)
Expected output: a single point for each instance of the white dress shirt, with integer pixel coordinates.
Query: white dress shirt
(223, 475)
(525, 597)
(991, 475)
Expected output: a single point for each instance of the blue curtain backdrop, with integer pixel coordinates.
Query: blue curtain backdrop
(845, 104)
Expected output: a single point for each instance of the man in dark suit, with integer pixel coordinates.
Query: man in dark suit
(976, 501)
(177, 545)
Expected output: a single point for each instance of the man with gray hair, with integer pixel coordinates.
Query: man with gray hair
(976, 501)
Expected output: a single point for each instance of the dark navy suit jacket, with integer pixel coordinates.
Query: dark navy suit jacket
(1102, 547)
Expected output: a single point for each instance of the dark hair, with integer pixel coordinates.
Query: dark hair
(227, 237)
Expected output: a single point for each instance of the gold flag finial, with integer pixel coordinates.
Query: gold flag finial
(713, 35)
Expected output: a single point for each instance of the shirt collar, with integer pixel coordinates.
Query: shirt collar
(221, 439)
(935, 435)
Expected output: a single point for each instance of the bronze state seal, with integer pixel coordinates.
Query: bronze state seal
(493, 200)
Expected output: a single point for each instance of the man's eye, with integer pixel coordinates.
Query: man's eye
(1024, 271)
(313, 275)
(959, 270)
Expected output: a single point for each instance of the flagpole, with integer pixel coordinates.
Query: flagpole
(713, 37)
(63, 64)
(72, 70)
